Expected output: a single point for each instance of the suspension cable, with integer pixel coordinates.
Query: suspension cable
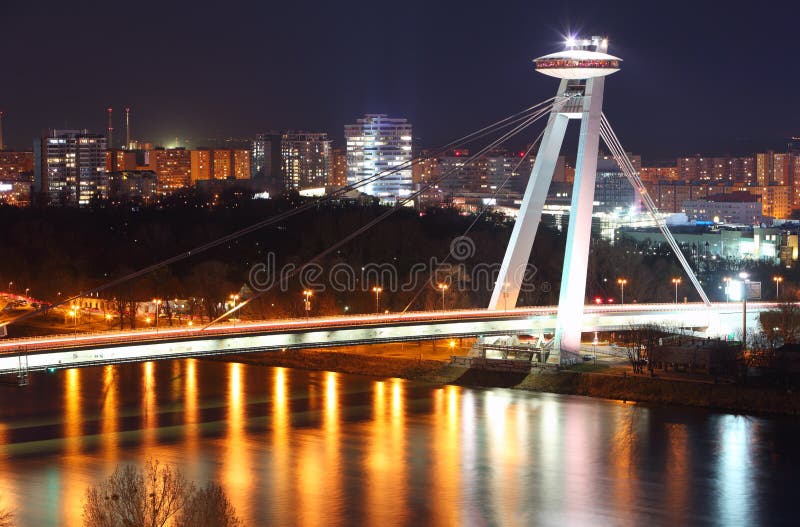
(478, 216)
(389, 212)
(473, 136)
(618, 152)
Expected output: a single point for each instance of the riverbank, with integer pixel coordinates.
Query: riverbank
(429, 363)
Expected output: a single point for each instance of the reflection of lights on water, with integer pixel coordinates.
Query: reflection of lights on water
(733, 474)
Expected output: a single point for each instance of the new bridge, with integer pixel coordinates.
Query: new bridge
(92, 349)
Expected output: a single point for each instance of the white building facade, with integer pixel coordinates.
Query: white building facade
(378, 144)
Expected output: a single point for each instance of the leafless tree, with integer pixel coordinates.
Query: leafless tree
(644, 344)
(208, 507)
(782, 325)
(134, 498)
(157, 496)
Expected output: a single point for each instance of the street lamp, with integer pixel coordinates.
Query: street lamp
(234, 300)
(505, 296)
(745, 280)
(307, 294)
(727, 281)
(622, 282)
(9, 286)
(157, 302)
(26, 291)
(777, 280)
(443, 287)
(676, 281)
(73, 310)
(377, 290)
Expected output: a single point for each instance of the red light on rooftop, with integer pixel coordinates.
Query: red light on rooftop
(598, 300)
(522, 154)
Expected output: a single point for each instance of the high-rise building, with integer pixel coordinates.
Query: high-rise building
(241, 164)
(426, 169)
(266, 156)
(70, 166)
(338, 173)
(764, 168)
(201, 165)
(305, 160)
(222, 164)
(612, 188)
(696, 168)
(118, 160)
(775, 200)
(173, 168)
(378, 144)
(781, 169)
(458, 176)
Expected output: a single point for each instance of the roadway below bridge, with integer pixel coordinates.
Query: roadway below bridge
(88, 349)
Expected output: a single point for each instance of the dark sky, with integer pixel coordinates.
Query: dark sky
(700, 76)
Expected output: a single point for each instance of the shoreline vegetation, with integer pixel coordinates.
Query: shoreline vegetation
(614, 386)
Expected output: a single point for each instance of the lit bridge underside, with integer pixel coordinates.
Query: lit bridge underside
(63, 351)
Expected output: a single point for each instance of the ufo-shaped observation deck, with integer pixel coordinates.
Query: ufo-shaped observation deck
(577, 64)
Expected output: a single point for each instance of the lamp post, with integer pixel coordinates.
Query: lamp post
(9, 286)
(235, 300)
(157, 302)
(727, 281)
(27, 289)
(443, 287)
(744, 276)
(505, 296)
(777, 280)
(307, 294)
(622, 282)
(73, 310)
(377, 290)
(676, 281)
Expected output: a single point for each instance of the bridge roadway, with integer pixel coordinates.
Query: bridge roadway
(89, 349)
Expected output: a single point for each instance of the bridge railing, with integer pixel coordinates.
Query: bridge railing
(150, 334)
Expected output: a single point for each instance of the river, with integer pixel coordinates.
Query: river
(294, 447)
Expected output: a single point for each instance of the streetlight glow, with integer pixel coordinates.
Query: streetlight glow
(622, 282)
(377, 290)
(777, 280)
(676, 281)
(443, 287)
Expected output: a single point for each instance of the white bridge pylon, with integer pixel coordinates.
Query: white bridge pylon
(582, 68)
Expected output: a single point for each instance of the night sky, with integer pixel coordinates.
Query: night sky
(700, 76)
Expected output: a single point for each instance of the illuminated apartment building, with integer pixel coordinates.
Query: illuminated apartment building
(305, 160)
(378, 144)
(70, 167)
(173, 168)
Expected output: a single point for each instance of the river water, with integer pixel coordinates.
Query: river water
(320, 448)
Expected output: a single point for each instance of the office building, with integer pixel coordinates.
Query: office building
(737, 207)
(380, 145)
